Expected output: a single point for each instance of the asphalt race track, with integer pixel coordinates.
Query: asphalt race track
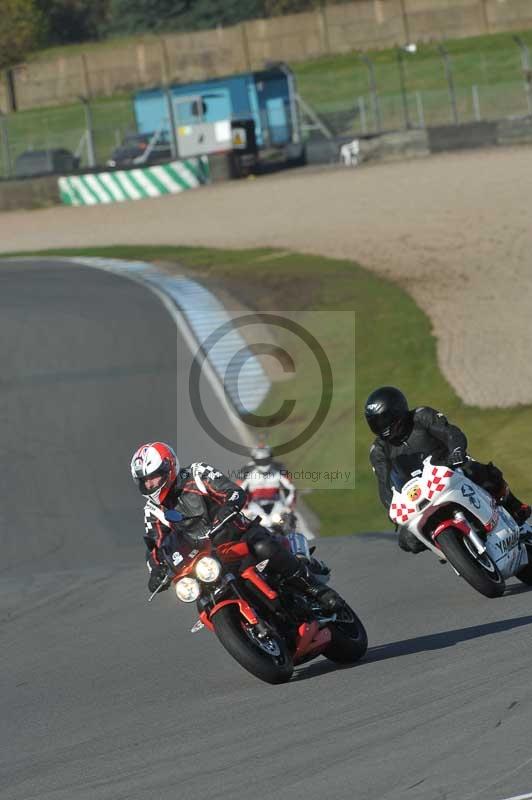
(104, 697)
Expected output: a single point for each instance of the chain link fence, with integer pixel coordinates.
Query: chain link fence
(416, 89)
(87, 131)
(423, 108)
(346, 96)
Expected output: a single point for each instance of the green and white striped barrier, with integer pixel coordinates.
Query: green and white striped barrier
(133, 184)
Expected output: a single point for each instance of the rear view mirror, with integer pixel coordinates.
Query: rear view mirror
(173, 516)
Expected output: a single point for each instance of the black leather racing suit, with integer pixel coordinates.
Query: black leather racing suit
(205, 496)
(428, 433)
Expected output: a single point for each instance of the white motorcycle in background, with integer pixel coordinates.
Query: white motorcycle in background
(274, 514)
(461, 523)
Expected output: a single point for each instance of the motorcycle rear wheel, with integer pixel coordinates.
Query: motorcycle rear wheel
(486, 579)
(525, 574)
(349, 638)
(268, 660)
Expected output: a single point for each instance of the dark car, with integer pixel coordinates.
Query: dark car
(141, 148)
(33, 163)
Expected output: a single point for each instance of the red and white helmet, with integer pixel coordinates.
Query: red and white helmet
(154, 468)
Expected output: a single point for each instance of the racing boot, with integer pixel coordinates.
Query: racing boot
(519, 511)
(305, 581)
(319, 567)
(408, 542)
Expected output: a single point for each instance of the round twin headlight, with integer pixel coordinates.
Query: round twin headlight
(208, 569)
(187, 590)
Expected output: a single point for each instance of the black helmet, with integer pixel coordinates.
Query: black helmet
(387, 412)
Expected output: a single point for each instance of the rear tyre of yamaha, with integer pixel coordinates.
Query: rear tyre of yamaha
(525, 574)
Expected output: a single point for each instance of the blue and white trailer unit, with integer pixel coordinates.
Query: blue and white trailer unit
(200, 117)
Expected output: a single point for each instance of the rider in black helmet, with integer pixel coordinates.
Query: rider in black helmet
(400, 431)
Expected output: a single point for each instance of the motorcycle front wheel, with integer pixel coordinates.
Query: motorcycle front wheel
(266, 656)
(478, 570)
(349, 638)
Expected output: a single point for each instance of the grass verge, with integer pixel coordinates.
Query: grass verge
(333, 82)
(394, 345)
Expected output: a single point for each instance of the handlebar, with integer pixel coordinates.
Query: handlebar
(220, 525)
(208, 535)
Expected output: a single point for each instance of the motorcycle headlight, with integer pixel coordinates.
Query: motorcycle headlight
(187, 590)
(208, 569)
(276, 519)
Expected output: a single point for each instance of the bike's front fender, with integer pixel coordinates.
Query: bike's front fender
(245, 610)
(459, 525)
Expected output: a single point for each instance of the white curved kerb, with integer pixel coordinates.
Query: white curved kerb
(197, 314)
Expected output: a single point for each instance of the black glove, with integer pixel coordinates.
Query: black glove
(456, 458)
(318, 567)
(157, 576)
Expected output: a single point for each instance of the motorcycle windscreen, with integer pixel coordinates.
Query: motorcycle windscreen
(405, 468)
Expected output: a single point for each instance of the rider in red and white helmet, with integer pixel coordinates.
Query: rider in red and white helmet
(204, 496)
(154, 468)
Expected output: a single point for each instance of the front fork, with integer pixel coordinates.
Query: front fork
(472, 535)
(247, 612)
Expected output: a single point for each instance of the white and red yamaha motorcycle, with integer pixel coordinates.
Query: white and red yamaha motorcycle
(461, 523)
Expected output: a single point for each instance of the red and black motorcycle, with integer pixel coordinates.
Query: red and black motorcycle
(265, 624)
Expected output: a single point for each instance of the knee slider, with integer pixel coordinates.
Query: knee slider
(498, 485)
(261, 545)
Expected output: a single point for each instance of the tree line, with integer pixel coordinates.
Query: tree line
(27, 25)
